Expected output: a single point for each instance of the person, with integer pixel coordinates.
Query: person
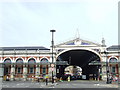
(68, 78)
(38, 79)
(61, 79)
(54, 78)
(116, 78)
(46, 79)
(7, 78)
(110, 78)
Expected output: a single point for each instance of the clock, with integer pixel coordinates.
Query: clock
(77, 42)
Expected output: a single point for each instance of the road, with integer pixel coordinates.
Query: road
(65, 84)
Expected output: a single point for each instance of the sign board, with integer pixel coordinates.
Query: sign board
(83, 76)
(52, 65)
(52, 69)
(57, 70)
(62, 63)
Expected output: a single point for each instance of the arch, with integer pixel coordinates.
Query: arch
(7, 67)
(44, 59)
(44, 66)
(113, 59)
(79, 49)
(19, 61)
(19, 58)
(19, 67)
(31, 61)
(113, 63)
(7, 60)
(81, 57)
(31, 66)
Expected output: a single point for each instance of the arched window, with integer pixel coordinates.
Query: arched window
(112, 60)
(19, 61)
(31, 61)
(19, 66)
(7, 61)
(113, 65)
(44, 61)
(7, 67)
(44, 66)
(31, 67)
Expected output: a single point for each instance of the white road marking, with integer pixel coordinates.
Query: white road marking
(96, 84)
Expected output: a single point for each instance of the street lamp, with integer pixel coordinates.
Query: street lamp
(107, 68)
(52, 51)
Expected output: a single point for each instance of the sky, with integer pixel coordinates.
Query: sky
(28, 22)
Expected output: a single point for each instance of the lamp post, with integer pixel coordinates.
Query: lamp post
(52, 51)
(107, 68)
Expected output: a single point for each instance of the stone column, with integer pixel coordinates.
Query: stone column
(1, 74)
(37, 73)
(119, 69)
(24, 72)
(119, 76)
(1, 71)
(104, 76)
(49, 71)
(12, 72)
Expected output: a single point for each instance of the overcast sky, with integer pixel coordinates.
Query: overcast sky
(29, 23)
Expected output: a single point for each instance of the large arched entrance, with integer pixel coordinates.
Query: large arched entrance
(81, 58)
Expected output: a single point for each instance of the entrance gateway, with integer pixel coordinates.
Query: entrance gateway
(81, 58)
(87, 55)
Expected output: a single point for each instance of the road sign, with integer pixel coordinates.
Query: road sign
(52, 65)
(52, 69)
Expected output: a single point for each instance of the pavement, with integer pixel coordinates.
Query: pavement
(64, 84)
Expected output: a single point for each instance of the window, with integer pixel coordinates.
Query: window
(31, 70)
(44, 62)
(44, 70)
(19, 70)
(6, 70)
(113, 60)
(19, 61)
(113, 69)
(31, 61)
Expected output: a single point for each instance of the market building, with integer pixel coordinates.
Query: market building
(95, 61)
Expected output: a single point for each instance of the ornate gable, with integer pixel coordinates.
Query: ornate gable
(79, 42)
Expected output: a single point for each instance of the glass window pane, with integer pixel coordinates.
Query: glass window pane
(113, 69)
(19, 70)
(7, 71)
(44, 70)
(31, 70)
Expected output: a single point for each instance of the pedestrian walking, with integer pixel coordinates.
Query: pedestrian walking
(54, 78)
(110, 78)
(68, 78)
(7, 78)
(46, 79)
(61, 79)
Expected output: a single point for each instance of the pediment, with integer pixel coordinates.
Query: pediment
(79, 42)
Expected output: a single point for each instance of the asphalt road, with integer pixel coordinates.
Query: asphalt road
(65, 84)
